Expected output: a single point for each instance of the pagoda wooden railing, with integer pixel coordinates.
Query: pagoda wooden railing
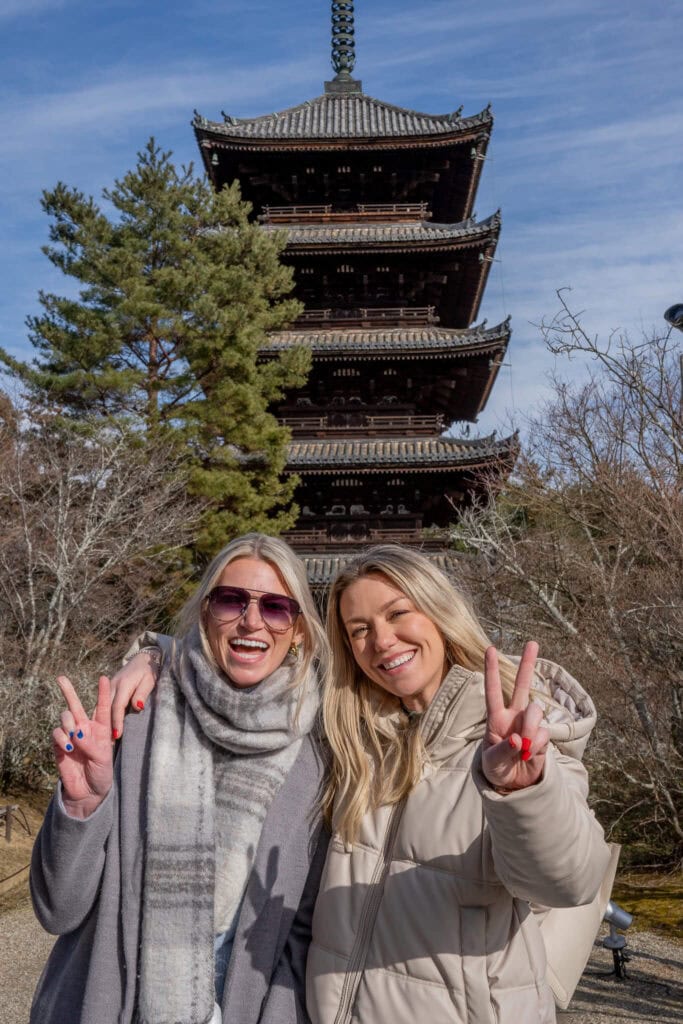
(362, 317)
(323, 213)
(307, 536)
(390, 210)
(321, 539)
(361, 423)
(287, 214)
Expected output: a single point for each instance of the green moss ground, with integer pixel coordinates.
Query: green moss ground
(656, 901)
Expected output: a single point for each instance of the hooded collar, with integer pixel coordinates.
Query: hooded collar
(457, 714)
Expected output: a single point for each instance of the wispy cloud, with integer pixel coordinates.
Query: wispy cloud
(459, 21)
(123, 94)
(27, 8)
(621, 275)
(77, 131)
(585, 161)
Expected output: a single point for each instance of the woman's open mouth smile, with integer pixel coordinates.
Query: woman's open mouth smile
(397, 662)
(247, 650)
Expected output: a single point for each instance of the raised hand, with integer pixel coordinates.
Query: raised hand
(132, 685)
(515, 741)
(83, 750)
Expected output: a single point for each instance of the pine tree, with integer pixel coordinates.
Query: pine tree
(176, 291)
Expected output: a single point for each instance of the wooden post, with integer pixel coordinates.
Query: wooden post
(8, 820)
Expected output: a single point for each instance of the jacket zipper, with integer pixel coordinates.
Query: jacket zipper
(354, 971)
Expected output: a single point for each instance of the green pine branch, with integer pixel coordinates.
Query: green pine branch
(177, 290)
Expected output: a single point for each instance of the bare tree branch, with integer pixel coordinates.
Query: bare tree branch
(92, 534)
(584, 548)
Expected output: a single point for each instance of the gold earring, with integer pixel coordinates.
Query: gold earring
(294, 649)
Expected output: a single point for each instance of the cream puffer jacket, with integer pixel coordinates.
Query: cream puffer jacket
(427, 918)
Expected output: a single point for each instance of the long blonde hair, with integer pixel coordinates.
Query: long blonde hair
(377, 750)
(276, 553)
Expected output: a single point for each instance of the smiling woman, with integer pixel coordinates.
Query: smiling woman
(251, 621)
(457, 800)
(396, 645)
(155, 867)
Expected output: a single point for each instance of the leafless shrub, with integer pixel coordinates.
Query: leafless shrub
(92, 528)
(583, 550)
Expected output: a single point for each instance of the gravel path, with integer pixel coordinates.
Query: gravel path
(652, 991)
(25, 948)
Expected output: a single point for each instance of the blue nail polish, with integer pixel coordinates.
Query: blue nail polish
(69, 747)
(71, 735)
(80, 734)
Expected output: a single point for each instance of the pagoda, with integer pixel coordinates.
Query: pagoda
(391, 265)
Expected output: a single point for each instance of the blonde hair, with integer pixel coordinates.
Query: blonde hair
(276, 553)
(377, 751)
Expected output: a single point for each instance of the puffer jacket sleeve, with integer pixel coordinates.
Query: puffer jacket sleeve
(547, 845)
(67, 864)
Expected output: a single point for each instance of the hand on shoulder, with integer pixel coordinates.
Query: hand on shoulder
(133, 684)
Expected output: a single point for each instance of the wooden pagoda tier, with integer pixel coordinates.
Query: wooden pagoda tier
(345, 149)
(401, 269)
(377, 205)
(388, 381)
(387, 490)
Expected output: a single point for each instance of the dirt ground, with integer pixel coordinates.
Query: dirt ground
(15, 855)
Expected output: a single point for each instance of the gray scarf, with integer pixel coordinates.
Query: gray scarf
(219, 756)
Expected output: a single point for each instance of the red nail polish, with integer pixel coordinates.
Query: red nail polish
(115, 734)
(526, 754)
(526, 743)
(140, 705)
(512, 743)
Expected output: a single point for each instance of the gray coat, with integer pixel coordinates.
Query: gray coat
(86, 884)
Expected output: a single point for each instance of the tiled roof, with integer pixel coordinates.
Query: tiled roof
(394, 340)
(420, 232)
(418, 452)
(350, 116)
(321, 569)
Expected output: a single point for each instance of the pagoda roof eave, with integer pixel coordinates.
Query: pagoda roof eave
(352, 118)
(494, 369)
(413, 454)
(395, 342)
(416, 235)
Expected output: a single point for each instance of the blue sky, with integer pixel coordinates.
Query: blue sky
(585, 161)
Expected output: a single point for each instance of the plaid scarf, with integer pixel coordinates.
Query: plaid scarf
(219, 755)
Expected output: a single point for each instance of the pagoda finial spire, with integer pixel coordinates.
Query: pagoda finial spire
(343, 48)
(343, 44)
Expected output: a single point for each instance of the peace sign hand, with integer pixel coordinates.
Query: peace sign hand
(83, 750)
(515, 742)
